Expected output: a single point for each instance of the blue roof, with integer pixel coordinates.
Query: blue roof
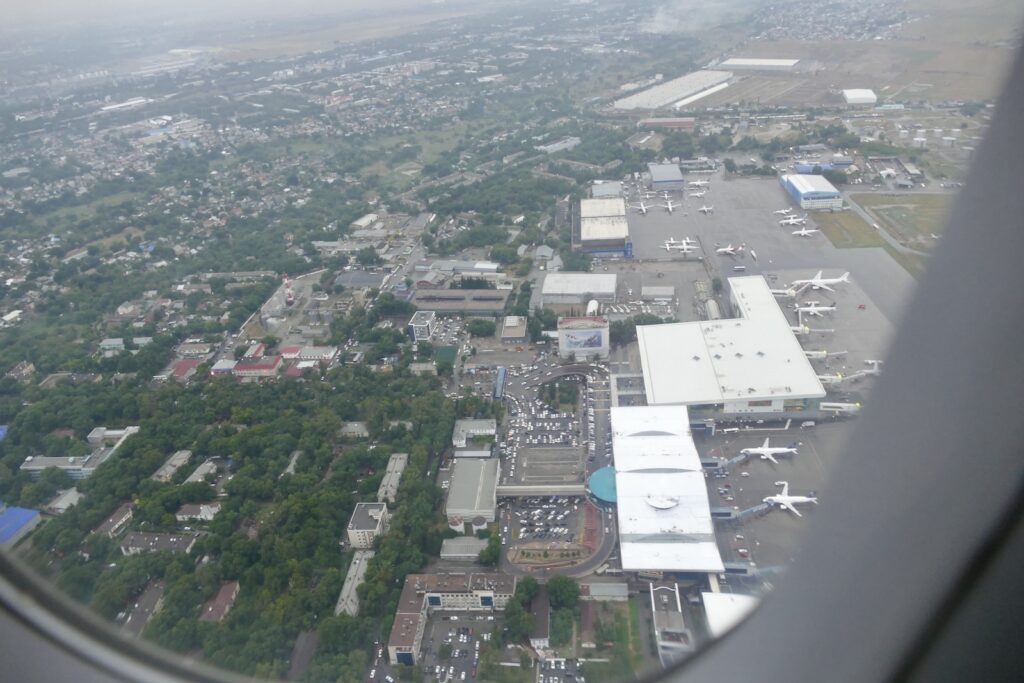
(3, 432)
(13, 519)
(602, 484)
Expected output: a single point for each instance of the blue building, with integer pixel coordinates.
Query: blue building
(812, 191)
(15, 523)
(499, 384)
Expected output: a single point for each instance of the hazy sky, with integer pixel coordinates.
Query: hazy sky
(44, 12)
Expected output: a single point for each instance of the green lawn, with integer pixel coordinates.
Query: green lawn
(848, 230)
(911, 219)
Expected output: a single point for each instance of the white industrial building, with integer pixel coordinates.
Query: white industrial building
(577, 289)
(757, 64)
(473, 491)
(752, 364)
(861, 96)
(663, 510)
(674, 91)
(584, 338)
(812, 191)
(603, 226)
(466, 428)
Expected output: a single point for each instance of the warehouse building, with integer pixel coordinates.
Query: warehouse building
(665, 177)
(15, 523)
(577, 289)
(489, 302)
(860, 96)
(674, 91)
(750, 365)
(473, 491)
(757, 64)
(462, 549)
(514, 330)
(662, 501)
(606, 189)
(583, 338)
(603, 228)
(812, 191)
(424, 594)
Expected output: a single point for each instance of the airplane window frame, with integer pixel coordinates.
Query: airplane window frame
(876, 580)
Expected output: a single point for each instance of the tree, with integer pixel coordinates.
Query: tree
(564, 592)
(490, 555)
(730, 165)
(445, 651)
(478, 327)
(368, 256)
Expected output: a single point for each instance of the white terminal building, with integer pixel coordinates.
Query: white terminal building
(584, 338)
(664, 514)
(752, 365)
(603, 226)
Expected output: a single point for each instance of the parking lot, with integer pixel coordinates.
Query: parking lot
(462, 634)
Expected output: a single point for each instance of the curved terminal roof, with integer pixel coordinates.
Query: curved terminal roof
(602, 484)
(663, 509)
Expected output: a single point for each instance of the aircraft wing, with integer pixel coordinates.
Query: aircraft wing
(785, 489)
(770, 458)
(824, 286)
(789, 506)
(765, 444)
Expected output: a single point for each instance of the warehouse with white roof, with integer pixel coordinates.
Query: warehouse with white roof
(860, 96)
(758, 64)
(812, 191)
(674, 91)
(576, 289)
(663, 510)
(752, 364)
(602, 225)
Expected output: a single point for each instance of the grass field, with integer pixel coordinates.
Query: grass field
(911, 219)
(73, 214)
(847, 230)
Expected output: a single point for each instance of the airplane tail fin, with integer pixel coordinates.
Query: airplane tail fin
(845, 277)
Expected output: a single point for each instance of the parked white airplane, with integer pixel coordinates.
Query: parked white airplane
(641, 207)
(669, 205)
(783, 212)
(706, 209)
(812, 308)
(805, 232)
(729, 250)
(766, 452)
(698, 195)
(784, 500)
(684, 248)
(699, 183)
(819, 282)
(753, 254)
(793, 220)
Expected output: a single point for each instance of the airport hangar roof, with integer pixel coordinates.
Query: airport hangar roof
(603, 219)
(753, 357)
(810, 183)
(602, 207)
(662, 497)
(725, 610)
(579, 283)
(664, 173)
